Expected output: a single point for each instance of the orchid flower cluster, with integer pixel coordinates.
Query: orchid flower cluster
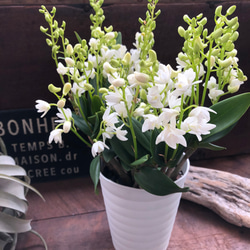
(133, 111)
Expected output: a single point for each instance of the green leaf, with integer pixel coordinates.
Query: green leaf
(229, 111)
(157, 151)
(82, 125)
(142, 138)
(123, 149)
(155, 182)
(211, 146)
(119, 38)
(140, 161)
(79, 39)
(96, 104)
(95, 168)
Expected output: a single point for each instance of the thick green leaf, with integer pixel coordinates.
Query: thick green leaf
(229, 111)
(96, 104)
(155, 182)
(142, 138)
(123, 149)
(140, 161)
(211, 146)
(157, 151)
(82, 125)
(95, 168)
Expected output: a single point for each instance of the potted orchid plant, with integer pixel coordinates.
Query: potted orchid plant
(136, 113)
(140, 117)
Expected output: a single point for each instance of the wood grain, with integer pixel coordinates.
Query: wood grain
(73, 217)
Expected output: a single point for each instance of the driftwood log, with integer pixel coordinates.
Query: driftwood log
(226, 194)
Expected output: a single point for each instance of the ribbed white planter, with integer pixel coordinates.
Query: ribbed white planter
(137, 219)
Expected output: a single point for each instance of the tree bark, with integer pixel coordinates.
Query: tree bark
(226, 194)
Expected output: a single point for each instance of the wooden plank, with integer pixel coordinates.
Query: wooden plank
(74, 218)
(64, 198)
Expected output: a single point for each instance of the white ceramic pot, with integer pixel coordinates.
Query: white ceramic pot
(137, 219)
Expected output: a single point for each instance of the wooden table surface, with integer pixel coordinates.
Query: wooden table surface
(73, 217)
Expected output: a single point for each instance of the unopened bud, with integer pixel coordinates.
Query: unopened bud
(152, 56)
(66, 88)
(126, 59)
(69, 49)
(225, 63)
(69, 61)
(108, 68)
(88, 86)
(231, 10)
(66, 126)
(181, 31)
(141, 77)
(103, 91)
(61, 103)
(43, 30)
(53, 89)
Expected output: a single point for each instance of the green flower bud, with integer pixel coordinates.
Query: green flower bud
(53, 89)
(232, 53)
(88, 86)
(47, 17)
(225, 63)
(126, 59)
(152, 56)
(61, 103)
(218, 11)
(143, 94)
(103, 90)
(77, 47)
(108, 29)
(233, 89)
(66, 88)
(43, 30)
(181, 31)
(229, 46)
(114, 63)
(232, 22)
(235, 36)
(215, 52)
(186, 18)
(69, 49)
(225, 38)
(66, 41)
(217, 33)
(108, 68)
(49, 42)
(231, 10)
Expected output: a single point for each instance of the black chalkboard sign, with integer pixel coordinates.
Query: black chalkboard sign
(26, 137)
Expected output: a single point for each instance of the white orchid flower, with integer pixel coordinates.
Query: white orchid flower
(120, 134)
(98, 147)
(172, 136)
(56, 135)
(61, 69)
(42, 107)
(197, 122)
(150, 122)
(154, 97)
(113, 98)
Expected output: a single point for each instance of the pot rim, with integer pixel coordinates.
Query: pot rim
(179, 182)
